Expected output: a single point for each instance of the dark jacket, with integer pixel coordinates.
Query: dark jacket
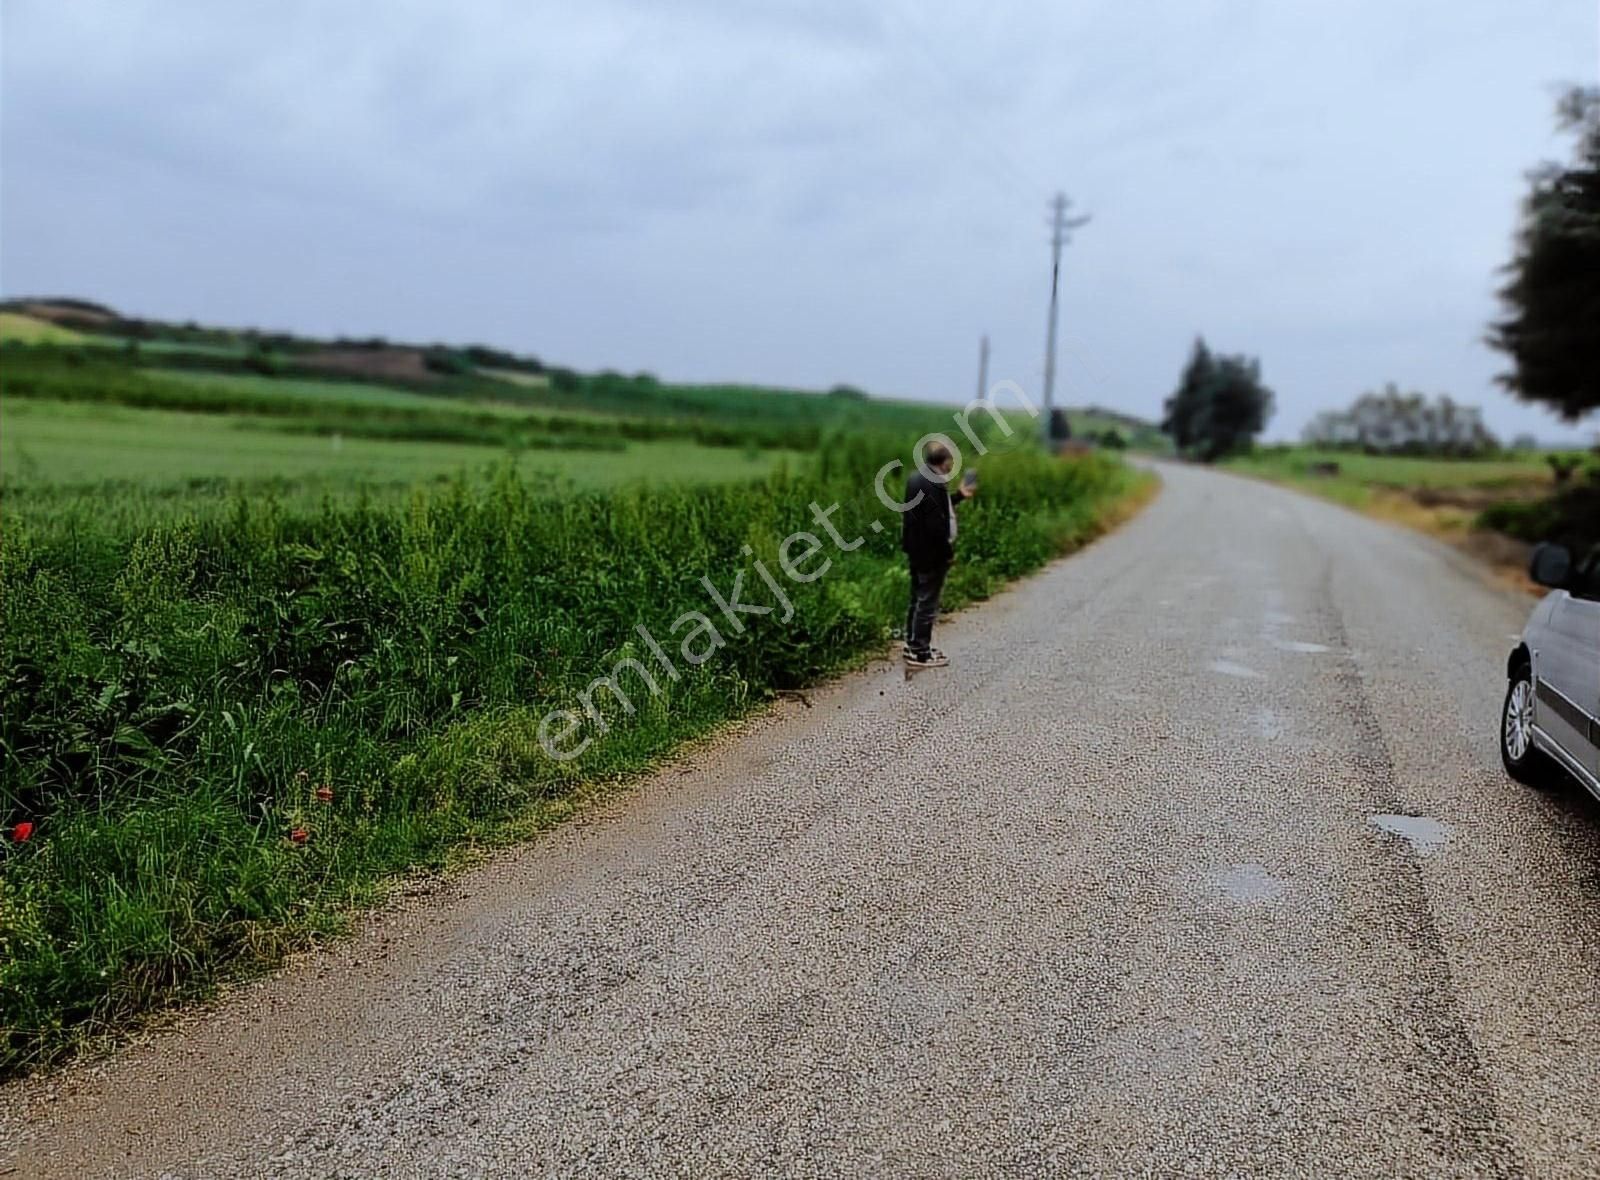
(925, 527)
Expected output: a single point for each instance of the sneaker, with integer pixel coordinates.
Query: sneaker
(926, 659)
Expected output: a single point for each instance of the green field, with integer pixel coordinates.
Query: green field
(1476, 503)
(224, 591)
(1360, 475)
(27, 329)
(63, 443)
(320, 392)
(155, 348)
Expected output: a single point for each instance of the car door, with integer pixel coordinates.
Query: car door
(1569, 669)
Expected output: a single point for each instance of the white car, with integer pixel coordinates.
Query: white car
(1552, 711)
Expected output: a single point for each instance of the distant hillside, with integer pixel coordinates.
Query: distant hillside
(372, 359)
(29, 329)
(63, 310)
(480, 371)
(1138, 433)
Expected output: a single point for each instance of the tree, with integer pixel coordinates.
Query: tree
(1184, 406)
(1220, 405)
(1237, 409)
(1553, 297)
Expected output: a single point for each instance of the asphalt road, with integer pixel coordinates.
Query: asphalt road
(1106, 896)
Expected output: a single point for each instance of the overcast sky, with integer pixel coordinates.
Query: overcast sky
(808, 191)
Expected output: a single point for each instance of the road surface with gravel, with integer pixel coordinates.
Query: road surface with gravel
(1199, 858)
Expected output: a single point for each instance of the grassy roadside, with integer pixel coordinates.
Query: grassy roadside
(230, 732)
(1445, 498)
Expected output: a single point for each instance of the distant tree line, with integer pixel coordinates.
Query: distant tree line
(1392, 422)
(1219, 407)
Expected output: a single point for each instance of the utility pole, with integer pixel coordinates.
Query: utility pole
(983, 366)
(1060, 226)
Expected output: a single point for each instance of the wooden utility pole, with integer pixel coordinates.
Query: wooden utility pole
(1060, 226)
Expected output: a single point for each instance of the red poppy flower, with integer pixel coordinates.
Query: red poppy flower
(299, 835)
(23, 832)
(325, 794)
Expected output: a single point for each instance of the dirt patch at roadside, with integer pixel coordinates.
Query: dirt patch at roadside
(1452, 517)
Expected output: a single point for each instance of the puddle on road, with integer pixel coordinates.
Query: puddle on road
(1299, 645)
(1229, 668)
(1425, 835)
(1248, 884)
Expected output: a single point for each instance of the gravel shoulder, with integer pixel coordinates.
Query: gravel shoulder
(1112, 894)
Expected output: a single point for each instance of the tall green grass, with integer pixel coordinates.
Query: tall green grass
(173, 691)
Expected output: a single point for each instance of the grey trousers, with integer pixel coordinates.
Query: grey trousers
(926, 586)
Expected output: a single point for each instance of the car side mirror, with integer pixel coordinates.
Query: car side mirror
(1551, 565)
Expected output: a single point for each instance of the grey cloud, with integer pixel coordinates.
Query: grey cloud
(798, 192)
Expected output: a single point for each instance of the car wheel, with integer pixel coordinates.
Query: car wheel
(1523, 760)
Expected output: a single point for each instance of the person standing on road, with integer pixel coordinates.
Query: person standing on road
(928, 536)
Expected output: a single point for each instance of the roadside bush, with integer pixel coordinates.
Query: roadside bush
(1570, 517)
(1563, 464)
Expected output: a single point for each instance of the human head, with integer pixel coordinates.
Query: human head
(936, 457)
